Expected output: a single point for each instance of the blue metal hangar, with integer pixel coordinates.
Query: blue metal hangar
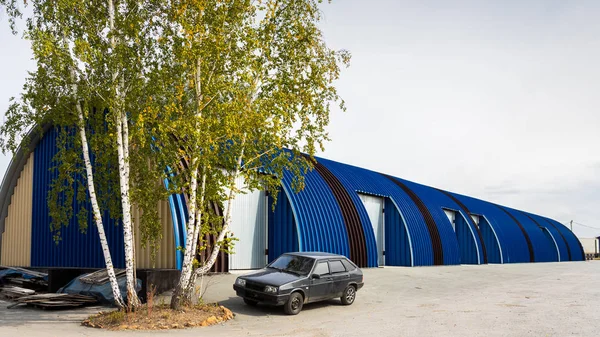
(375, 219)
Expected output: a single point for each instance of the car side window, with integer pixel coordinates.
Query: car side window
(336, 266)
(349, 266)
(321, 269)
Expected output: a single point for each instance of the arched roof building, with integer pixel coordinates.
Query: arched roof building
(373, 218)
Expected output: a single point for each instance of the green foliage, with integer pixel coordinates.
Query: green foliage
(243, 80)
(223, 88)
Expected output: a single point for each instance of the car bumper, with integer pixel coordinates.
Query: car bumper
(260, 296)
(359, 285)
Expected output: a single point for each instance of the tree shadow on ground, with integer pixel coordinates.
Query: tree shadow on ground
(26, 315)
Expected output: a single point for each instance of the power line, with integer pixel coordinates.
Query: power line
(580, 224)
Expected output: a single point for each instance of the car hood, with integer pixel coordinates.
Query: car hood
(272, 277)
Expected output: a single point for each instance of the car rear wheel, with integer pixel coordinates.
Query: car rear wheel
(250, 302)
(349, 295)
(294, 304)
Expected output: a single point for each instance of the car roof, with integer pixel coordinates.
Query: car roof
(317, 255)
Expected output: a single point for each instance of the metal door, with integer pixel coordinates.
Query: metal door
(249, 226)
(374, 207)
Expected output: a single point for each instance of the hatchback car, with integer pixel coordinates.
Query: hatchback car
(294, 279)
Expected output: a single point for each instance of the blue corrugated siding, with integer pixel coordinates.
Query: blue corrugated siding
(367, 227)
(514, 245)
(542, 248)
(75, 249)
(454, 246)
(552, 240)
(490, 240)
(468, 249)
(362, 180)
(574, 243)
(283, 236)
(320, 223)
(565, 254)
(397, 246)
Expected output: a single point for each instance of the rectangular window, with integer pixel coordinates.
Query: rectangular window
(349, 266)
(451, 216)
(321, 269)
(336, 266)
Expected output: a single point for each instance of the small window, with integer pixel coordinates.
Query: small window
(321, 269)
(349, 266)
(336, 266)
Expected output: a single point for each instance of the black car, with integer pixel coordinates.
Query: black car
(294, 279)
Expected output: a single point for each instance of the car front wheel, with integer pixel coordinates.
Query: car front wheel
(349, 295)
(294, 304)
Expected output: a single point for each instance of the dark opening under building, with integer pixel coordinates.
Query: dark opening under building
(375, 219)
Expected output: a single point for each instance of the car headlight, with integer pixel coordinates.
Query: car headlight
(270, 289)
(241, 282)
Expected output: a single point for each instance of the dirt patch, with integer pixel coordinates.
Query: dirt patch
(160, 318)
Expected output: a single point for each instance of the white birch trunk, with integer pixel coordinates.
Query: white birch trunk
(93, 199)
(123, 159)
(132, 297)
(97, 215)
(227, 221)
(95, 208)
(184, 288)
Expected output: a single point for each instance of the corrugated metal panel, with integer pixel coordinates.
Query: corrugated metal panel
(437, 240)
(352, 219)
(76, 249)
(492, 244)
(318, 216)
(397, 244)
(283, 235)
(165, 256)
(374, 206)
(360, 180)
(556, 256)
(512, 241)
(563, 248)
(575, 246)
(16, 239)
(526, 234)
(469, 253)
(473, 223)
(542, 247)
(249, 226)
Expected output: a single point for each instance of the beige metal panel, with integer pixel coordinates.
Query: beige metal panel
(590, 245)
(16, 240)
(165, 257)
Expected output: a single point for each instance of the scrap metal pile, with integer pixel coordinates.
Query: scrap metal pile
(25, 286)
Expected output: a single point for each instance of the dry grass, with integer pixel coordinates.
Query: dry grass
(160, 317)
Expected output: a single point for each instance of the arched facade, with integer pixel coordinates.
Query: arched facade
(373, 218)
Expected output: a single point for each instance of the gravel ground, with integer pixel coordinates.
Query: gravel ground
(546, 299)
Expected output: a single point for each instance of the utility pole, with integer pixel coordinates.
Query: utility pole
(571, 225)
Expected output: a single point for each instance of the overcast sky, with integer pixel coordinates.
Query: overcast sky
(494, 99)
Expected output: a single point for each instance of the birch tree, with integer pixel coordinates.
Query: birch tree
(52, 95)
(247, 87)
(90, 75)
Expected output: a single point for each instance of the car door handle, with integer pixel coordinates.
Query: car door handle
(330, 279)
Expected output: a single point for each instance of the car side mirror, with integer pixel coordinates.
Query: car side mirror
(316, 276)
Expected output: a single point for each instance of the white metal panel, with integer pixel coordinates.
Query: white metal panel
(451, 216)
(249, 226)
(374, 207)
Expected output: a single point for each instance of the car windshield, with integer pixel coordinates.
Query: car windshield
(294, 264)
